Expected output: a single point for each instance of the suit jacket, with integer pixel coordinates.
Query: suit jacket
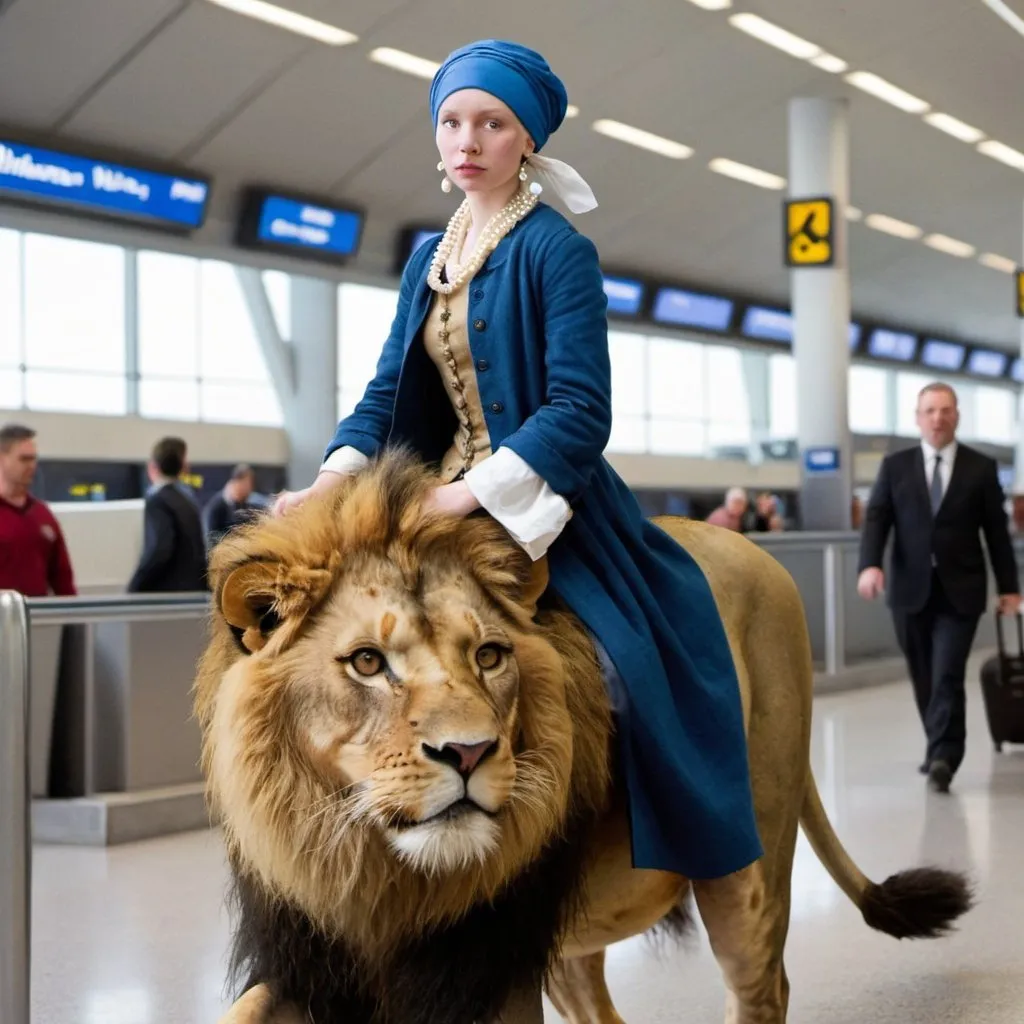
(972, 505)
(538, 332)
(174, 553)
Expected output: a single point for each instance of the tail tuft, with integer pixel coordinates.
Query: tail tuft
(919, 904)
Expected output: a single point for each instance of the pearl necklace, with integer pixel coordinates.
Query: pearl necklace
(494, 231)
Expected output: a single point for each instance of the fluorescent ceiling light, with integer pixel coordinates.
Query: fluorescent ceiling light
(854, 213)
(408, 63)
(751, 175)
(952, 246)
(712, 5)
(572, 110)
(892, 226)
(951, 126)
(645, 140)
(994, 262)
(827, 62)
(883, 90)
(775, 36)
(1004, 154)
(289, 20)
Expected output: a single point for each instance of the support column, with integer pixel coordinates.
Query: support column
(304, 369)
(819, 164)
(313, 419)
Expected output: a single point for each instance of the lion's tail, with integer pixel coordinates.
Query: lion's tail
(921, 903)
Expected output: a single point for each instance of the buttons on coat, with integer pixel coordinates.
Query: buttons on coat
(497, 407)
(480, 325)
(482, 364)
(478, 294)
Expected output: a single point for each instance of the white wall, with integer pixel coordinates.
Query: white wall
(124, 438)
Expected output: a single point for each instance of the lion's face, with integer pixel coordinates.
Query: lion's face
(407, 702)
(388, 736)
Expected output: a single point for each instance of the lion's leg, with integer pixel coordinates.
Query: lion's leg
(578, 991)
(747, 920)
(257, 1007)
(523, 1007)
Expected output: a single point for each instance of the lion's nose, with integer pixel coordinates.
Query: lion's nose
(463, 757)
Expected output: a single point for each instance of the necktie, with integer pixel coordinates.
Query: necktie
(936, 490)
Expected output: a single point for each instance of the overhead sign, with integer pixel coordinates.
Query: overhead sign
(32, 174)
(683, 308)
(986, 363)
(625, 296)
(943, 355)
(821, 460)
(810, 232)
(299, 226)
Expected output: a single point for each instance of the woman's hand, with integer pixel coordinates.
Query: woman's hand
(454, 499)
(292, 499)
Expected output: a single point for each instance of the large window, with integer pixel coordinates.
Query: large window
(73, 325)
(199, 356)
(364, 321)
(995, 415)
(629, 392)
(908, 387)
(869, 399)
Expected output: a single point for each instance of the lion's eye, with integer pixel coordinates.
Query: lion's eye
(489, 656)
(367, 662)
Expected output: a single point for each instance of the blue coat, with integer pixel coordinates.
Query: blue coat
(539, 338)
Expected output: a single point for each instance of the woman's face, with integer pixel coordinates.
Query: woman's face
(481, 141)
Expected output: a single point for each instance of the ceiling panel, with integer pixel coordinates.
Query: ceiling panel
(52, 51)
(193, 74)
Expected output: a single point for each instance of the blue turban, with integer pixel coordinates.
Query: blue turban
(516, 75)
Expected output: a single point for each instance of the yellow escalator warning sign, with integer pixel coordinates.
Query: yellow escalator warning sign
(1020, 294)
(810, 232)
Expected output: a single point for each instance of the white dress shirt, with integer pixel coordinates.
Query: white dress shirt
(505, 485)
(945, 467)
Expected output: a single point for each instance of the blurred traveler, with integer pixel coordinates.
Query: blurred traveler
(731, 513)
(231, 506)
(33, 556)
(174, 553)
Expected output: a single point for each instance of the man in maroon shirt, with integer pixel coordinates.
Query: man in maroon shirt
(33, 557)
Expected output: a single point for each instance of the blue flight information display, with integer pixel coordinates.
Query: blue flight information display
(301, 225)
(37, 175)
(770, 324)
(625, 296)
(692, 309)
(886, 344)
(986, 363)
(943, 355)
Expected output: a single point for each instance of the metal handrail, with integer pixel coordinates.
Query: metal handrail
(15, 808)
(67, 611)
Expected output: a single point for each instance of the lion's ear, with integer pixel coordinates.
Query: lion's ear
(259, 597)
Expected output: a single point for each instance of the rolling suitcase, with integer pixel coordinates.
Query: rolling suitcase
(1002, 684)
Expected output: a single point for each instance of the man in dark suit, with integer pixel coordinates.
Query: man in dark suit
(229, 506)
(174, 554)
(937, 498)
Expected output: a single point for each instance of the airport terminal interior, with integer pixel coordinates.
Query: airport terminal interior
(809, 224)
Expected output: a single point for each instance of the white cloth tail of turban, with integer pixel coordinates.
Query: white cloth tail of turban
(565, 181)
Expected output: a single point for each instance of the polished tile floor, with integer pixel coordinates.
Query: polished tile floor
(136, 934)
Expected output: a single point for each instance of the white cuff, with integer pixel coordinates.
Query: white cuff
(346, 460)
(520, 499)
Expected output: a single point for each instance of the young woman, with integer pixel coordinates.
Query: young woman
(497, 369)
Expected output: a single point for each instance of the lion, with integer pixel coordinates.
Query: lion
(410, 752)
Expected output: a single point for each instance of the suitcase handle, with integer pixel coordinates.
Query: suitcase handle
(1002, 641)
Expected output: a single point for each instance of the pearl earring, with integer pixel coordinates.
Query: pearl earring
(446, 185)
(440, 165)
(522, 174)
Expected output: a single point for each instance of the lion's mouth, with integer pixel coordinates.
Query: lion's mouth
(453, 812)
